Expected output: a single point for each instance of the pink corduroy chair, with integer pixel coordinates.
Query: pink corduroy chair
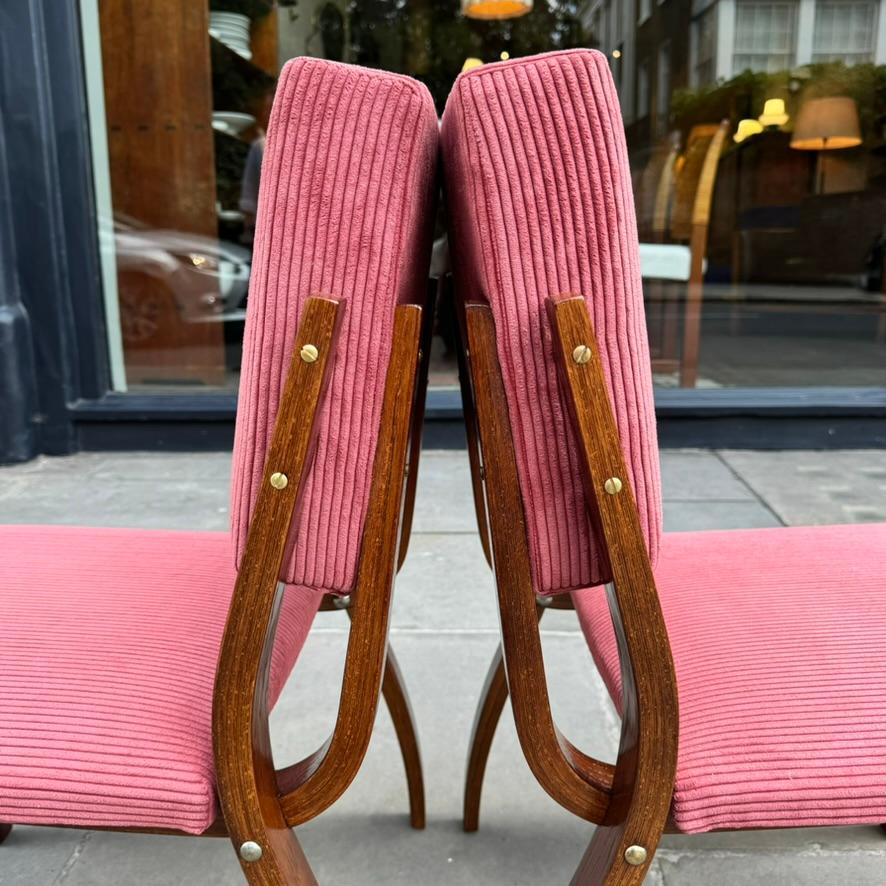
(137, 668)
(749, 667)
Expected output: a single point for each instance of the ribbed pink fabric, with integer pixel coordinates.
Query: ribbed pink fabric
(345, 209)
(109, 640)
(779, 643)
(539, 196)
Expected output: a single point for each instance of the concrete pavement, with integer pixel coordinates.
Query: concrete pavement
(445, 630)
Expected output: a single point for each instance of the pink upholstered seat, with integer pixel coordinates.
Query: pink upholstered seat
(539, 198)
(779, 644)
(109, 640)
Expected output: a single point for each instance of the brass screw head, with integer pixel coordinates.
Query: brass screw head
(309, 353)
(613, 485)
(635, 855)
(279, 481)
(250, 851)
(581, 354)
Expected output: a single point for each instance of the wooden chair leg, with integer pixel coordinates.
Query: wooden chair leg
(397, 701)
(4, 831)
(602, 865)
(280, 862)
(492, 702)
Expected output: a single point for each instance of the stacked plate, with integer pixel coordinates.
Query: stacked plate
(232, 29)
(231, 122)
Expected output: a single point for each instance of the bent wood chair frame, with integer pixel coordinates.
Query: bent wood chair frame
(259, 803)
(630, 801)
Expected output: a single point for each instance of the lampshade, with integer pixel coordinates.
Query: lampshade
(747, 128)
(824, 124)
(773, 113)
(489, 9)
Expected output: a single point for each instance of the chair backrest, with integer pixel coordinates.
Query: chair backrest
(345, 207)
(539, 196)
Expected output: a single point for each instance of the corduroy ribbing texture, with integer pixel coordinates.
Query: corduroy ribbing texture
(778, 637)
(539, 198)
(108, 648)
(345, 210)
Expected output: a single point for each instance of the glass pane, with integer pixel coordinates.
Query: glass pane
(787, 283)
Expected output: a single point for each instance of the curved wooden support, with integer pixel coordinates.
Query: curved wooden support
(576, 781)
(472, 434)
(246, 777)
(5, 830)
(309, 787)
(492, 701)
(647, 757)
(418, 421)
(397, 699)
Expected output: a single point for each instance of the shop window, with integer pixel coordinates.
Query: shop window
(790, 287)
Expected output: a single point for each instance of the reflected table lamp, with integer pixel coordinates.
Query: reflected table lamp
(826, 124)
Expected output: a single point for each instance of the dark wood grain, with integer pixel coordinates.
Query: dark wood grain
(492, 699)
(309, 787)
(245, 773)
(647, 757)
(475, 458)
(578, 782)
(399, 707)
(397, 701)
(418, 420)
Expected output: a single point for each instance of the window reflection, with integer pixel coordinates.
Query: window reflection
(757, 138)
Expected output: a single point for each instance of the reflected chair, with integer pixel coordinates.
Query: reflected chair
(747, 666)
(138, 668)
(680, 224)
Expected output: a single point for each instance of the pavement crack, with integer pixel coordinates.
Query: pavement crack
(73, 858)
(747, 485)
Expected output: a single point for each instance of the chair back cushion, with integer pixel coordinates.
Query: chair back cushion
(539, 198)
(345, 208)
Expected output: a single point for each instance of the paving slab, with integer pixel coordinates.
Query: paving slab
(806, 488)
(684, 516)
(700, 475)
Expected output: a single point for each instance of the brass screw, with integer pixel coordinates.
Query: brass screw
(279, 481)
(309, 353)
(613, 485)
(250, 851)
(581, 354)
(635, 855)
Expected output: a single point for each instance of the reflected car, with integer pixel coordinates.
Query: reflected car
(166, 277)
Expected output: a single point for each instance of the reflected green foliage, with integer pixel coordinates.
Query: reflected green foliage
(744, 95)
(430, 39)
